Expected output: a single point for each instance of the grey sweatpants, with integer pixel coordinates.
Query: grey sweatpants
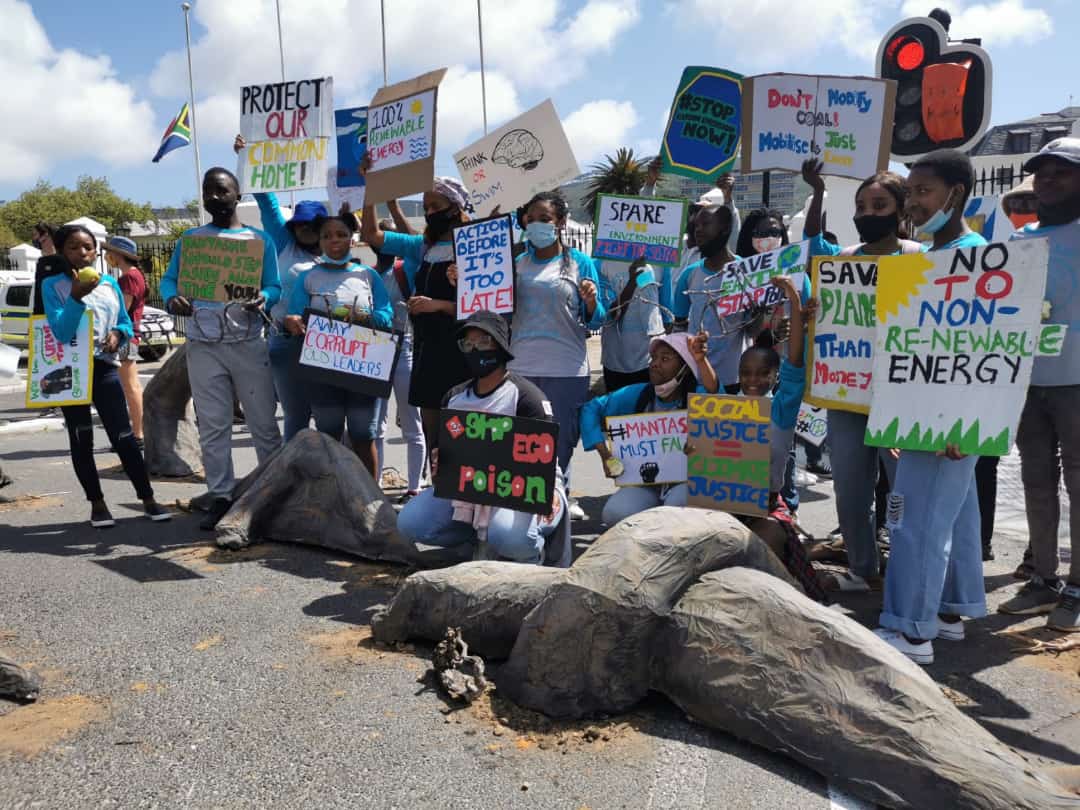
(217, 372)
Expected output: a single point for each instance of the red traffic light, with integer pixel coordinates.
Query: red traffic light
(906, 52)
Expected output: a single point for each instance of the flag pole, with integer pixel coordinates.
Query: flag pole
(191, 114)
(483, 83)
(385, 75)
(281, 55)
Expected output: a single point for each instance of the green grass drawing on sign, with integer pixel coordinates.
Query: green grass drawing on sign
(967, 437)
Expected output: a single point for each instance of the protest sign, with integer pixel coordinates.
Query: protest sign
(531, 153)
(703, 129)
(59, 373)
(841, 361)
(651, 446)
(484, 253)
(401, 138)
(287, 128)
(728, 467)
(957, 334)
(845, 121)
(986, 217)
(748, 282)
(812, 424)
(497, 460)
(351, 129)
(213, 268)
(627, 228)
(348, 355)
(338, 195)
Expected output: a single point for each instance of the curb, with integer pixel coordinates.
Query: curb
(45, 424)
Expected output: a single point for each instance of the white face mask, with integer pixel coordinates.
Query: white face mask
(763, 244)
(671, 386)
(939, 220)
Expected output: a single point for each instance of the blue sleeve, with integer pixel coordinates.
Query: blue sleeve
(271, 280)
(680, 301)
(806, 291)
(409, 246)
(617, 403)
(63, 316)
(273, 221)
(788, 396)
(605, 295)
(167, 285)
(665, 296)
(299, 298)
(819, 247)
(123, 320)
(382, 313)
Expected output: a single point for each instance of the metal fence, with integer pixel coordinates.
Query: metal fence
(154, 260)
(997, 181)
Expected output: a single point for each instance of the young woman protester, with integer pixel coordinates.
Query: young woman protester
(934, 576)
(484, 341)
(122, 254)
(678, 366)
(432, 303)
(636, 317)
(335, 281)
(880, 223)
(558, 297)
(64, 300)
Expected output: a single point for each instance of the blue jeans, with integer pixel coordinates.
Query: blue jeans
(566, 395)
(855, 471)
(935, 557)
(516, 536)
(291, 392)
(629, 501)
(335, 407)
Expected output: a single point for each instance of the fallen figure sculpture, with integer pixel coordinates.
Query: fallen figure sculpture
(691, 604)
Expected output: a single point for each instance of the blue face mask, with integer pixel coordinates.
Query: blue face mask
(324, 259)
(939, 220)
(540, 234)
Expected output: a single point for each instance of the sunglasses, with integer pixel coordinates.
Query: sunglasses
(762, 232)
(481, 344)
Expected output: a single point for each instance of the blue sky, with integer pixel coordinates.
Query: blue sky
(93, 85)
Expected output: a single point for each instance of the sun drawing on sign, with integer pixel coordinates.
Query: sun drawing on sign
(416, 107)
(841, 392)
(899, 279)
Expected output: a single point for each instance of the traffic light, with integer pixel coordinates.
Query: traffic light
(943, 89)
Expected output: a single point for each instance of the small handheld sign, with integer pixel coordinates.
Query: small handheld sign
(60, 373)
(214, 268)
(728, 468)
(650, 446)
(628, 228)
(484, 254)
(348, 355)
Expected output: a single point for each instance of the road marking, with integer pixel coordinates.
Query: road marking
(840, 800)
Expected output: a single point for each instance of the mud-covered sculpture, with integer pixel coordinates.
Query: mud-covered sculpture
(18, 683)
(170, 437)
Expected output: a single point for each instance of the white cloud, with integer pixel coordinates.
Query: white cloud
(1000, 23)
(460, 117)
(598, 127)
(63, 105)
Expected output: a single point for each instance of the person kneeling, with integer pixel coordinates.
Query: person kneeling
(678, 366)
(499, 533)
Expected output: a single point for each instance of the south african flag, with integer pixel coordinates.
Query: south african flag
(176, 135)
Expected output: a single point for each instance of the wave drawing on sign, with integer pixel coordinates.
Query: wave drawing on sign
(418, 148)
(519, 149)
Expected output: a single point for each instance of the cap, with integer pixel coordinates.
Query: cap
(1067, 149)
(711, 198)
(124, 246)
(680, 342)
(492, 324)
(308, 211)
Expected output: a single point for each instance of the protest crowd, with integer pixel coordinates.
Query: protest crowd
(714, 334)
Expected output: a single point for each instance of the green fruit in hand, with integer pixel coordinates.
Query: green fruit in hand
(88, 275)
(341, 312)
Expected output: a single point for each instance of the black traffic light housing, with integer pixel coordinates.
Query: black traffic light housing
(943, 89)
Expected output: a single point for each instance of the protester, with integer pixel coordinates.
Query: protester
(559, 297)
(881, 223)
(634, 320)
(1049, 433)
(43, 238)
(437, 364)
(762, 230)
(338, 285)
(226, 350)
(678, 366)
(122, 254)
(934, 577)
(64, 299)
(484, 341)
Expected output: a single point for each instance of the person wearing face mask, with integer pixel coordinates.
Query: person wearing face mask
(437, 364)
(226, 351)
(762, 230)
(1049, 433)
(882, 226)
(678, 366)
(336, 284)
(559, 296)
(934, 577)
(497, 533)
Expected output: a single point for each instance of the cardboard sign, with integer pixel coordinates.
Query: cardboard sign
(506, 168)
(337, 195)
(627, 228)
(348, 355)
(484, 253)
(957, 334)
(351, 130)
(213, 268)
(812, 424)
(845, 121)
(986, 217)
(728, 467)
(60, 373)
(748, 282)
(401, 138)
(496, 460)
(651, 446)
(287, 127)
(702, 135)
(841, 361)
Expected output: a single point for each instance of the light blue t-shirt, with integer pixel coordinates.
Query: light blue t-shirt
(322, 287)
(1063, 293)
(105, 302)
(289, 252)
(624, 343)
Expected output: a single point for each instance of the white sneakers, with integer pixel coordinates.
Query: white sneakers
(951, 631)
(919, 653)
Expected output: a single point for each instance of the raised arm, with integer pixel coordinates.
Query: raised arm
(811, 173)
(401, 222)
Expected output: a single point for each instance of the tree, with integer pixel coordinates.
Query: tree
(621, 174)
(92, 197)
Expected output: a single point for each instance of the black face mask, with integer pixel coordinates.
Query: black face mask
(871, 228)
(440, 221)
(1064, 212)
(483, 362)
(219, 208)
(715, 246)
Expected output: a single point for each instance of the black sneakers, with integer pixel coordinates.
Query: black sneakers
(101, 517)
(216, 512)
